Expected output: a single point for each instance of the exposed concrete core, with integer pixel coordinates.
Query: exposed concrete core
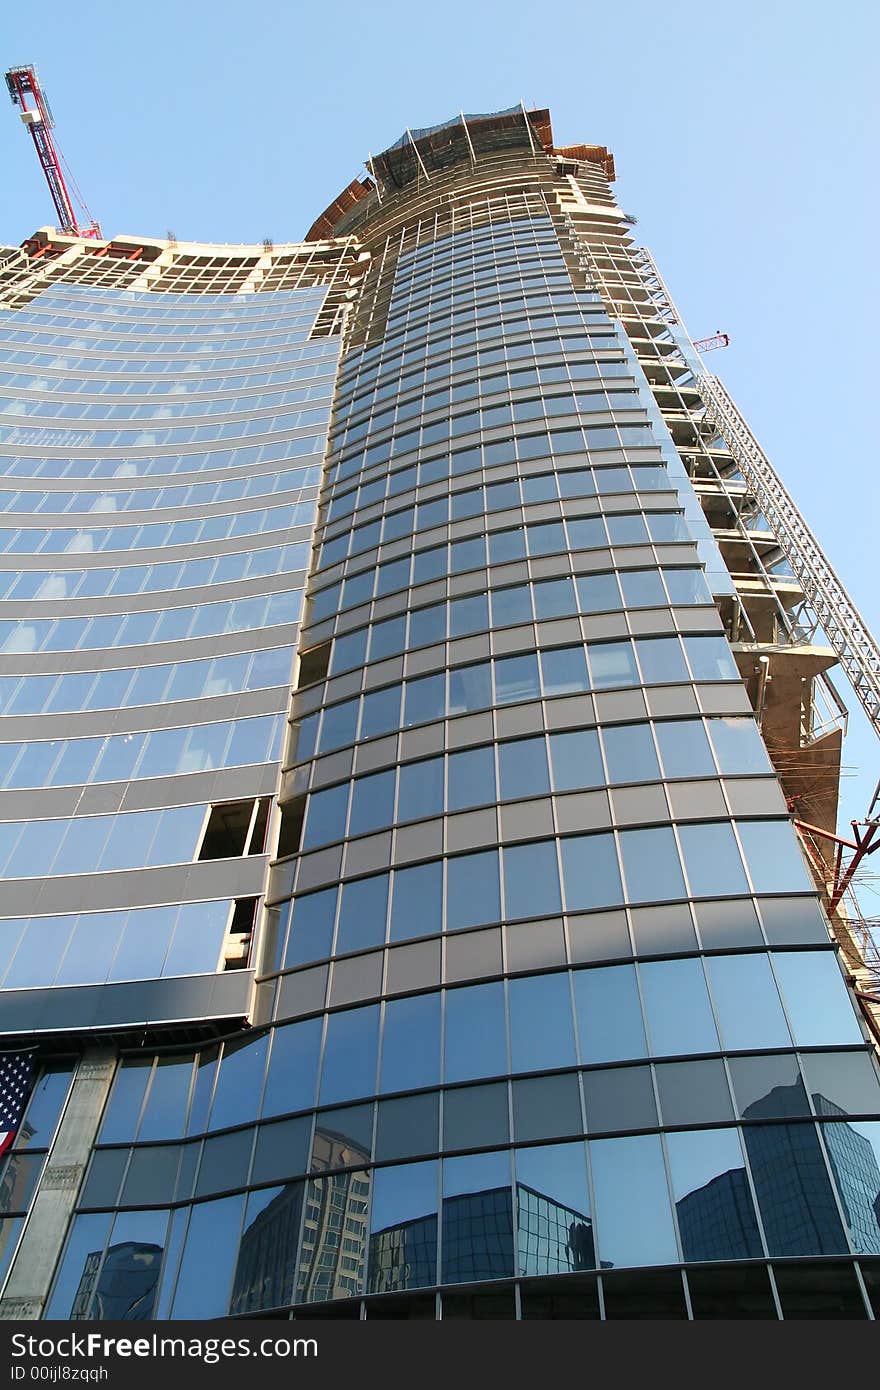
(34, 1264)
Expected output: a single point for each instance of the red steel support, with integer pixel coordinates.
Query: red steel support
(23, 84)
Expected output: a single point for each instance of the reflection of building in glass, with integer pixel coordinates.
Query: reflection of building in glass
(553, 1239)
(15, 1175)
(264, 1272)
(477, 1236)
(717, 1221)
(334, 1239)
(125, 1288)
(404, 1256)
(855, 1167)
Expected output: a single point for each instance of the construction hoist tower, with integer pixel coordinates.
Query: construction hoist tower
(790, 618)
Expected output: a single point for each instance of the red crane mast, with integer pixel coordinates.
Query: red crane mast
(26, 93)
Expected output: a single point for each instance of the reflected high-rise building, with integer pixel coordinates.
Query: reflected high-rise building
(405, 686)
(121, 1286)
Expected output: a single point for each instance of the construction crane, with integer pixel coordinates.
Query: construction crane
(718, 340)
(26, 93)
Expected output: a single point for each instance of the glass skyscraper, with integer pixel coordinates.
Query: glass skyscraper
(400, 888)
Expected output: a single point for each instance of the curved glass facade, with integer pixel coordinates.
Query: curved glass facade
(177, 669)
(547, 1019)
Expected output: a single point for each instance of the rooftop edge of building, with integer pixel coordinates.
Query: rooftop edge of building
(461, 139)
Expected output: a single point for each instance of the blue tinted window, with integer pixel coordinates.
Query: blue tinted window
(475, 1034)
(609, 1015)
(293, 1067)
(816, 998)
(420, 790)
(677, 1007)
(372, 803)
(684, 749)
(470, 689)
(425, 700)
(590, 872)
(541, 1032)
(325, 820)
(471, 778)
(411, 1043)
(381, 712)
(794, 1191)
(472, 890)
(350, 1052)
(417, 901)
(564, 671)
(629, 752)
(523, 768)
(311, 927)
(716, 1215)
(739, 746)
(477, 1218)
(531, 880)
(650, 865)
(516, 678)
(633, 1215)
(362, 913)
(747, 1002)
(712, 860)
(576, 760)
(203, 1284)
(774, 861)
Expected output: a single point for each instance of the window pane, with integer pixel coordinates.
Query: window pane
(684, 749)
(716, 1216)
(739, 746)
(403, 1227)
(774, 861)
(576, 760)
(629, 752)
(747, 1002)
(471, 778)
(555, 1232)
(516, 678)
(417, 901)
(793, 1190)
(531, 880)
(472, 890)
(477, 1218)
(677, 1007)
(420, 790)
(350, 1050)
(609, 1015)
(523, 768)
(854, 1154)
(712, 860)
(632, 1202)
(362, 913)
(372, 803)
(311, 927)
(590, 873)
(564, 671)
(203, 1285)
(816, 998)
(651, 867)
(541, 1032)
(476, 1037)
(411, 1043)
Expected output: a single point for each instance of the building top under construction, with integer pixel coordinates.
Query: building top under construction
(430, 149)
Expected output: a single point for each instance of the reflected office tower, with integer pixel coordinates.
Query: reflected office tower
(397, 778)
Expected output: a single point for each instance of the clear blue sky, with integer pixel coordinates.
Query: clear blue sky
(745, 135)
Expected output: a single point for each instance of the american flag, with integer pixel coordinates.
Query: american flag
(16, 1077)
